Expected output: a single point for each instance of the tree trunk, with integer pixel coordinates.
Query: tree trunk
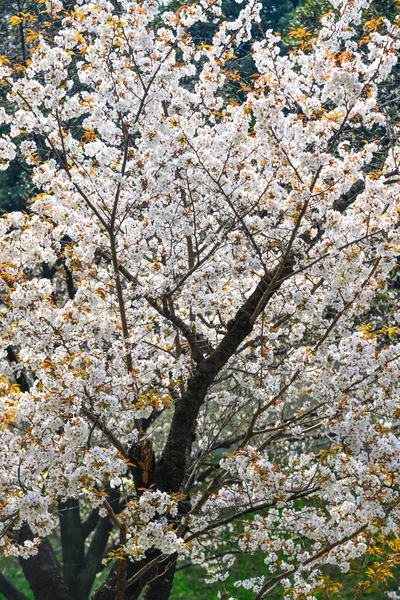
(159, 588)
(41, 571)
(93, 558)
(72, 545)
(156, 583)
(107, 590)
(171, 470)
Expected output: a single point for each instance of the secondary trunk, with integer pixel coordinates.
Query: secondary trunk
(41, 571)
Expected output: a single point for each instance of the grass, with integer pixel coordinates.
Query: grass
(10, 568)
(189, 583)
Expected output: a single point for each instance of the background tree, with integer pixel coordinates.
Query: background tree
(21, 21)
(14, 183)
(187, 371)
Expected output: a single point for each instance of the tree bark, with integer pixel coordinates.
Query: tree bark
(41, 571)
(171, 469)
(72, 544)
(9, 591)
(95, 553)
(107, 590)
(159, 588)
(156, 583)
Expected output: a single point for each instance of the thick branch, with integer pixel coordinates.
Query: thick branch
(349, 197)
(172, 466)
(90, 524)
(9, 591)
(72, 542)
(94, 556)
(199, 345)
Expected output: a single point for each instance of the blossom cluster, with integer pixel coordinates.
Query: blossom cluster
(163, 207)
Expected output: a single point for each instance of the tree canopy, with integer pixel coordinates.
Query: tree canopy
(192, 364)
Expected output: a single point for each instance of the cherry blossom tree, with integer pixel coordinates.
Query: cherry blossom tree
(187, 373)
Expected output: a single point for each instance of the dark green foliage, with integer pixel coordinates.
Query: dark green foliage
(273, 13)
(12, 571)
(14, 183)
(14, 186)
(307, 15)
